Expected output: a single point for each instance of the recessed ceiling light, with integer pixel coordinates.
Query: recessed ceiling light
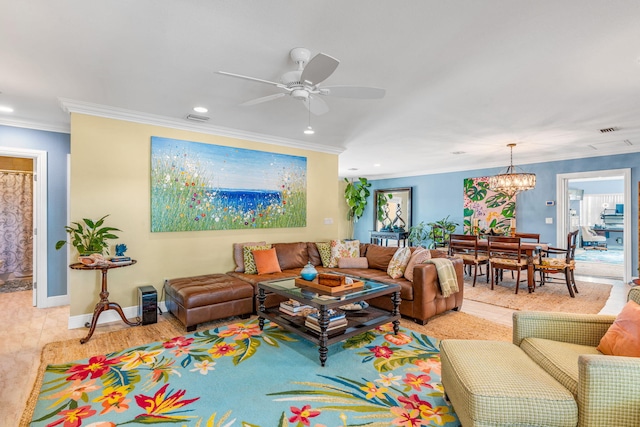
(200, 109)
(353, 169)
(377, 165)
(5, 109)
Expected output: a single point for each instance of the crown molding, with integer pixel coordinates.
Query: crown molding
(35, 125)
(73, 106)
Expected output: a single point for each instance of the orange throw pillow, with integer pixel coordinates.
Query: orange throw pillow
(623, 337)
(266, 261)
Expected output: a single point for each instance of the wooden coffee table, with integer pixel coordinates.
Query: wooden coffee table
(365, 320)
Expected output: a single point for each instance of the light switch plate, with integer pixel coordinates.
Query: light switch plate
(548, 220)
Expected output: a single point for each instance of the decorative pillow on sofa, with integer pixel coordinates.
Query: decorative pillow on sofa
(418, 256)
(238, 254)
(623, 336)
(266, 261)
(249, 262)
(379, 257)
(325, 252)
(343, 249)
(358, 262)
(291, 255)
(399, 262)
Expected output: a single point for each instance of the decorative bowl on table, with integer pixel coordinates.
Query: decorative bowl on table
(355, 308)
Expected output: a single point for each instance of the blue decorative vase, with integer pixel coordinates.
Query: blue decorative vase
(309, 272)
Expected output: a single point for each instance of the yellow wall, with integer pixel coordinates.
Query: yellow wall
(110, 174)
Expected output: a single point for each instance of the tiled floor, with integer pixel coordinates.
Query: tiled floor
(26, 330)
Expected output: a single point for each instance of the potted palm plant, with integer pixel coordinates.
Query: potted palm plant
(89, 237)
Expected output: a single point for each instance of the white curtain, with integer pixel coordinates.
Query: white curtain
(593, 205)
(16, 222)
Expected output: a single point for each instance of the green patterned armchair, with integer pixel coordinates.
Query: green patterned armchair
(606, 388)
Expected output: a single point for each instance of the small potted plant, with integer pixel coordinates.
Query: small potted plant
(89, 237)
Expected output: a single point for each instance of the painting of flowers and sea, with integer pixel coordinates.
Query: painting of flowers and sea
(197, 186)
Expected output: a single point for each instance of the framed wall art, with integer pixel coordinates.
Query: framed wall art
(488, 210)
(197, 186)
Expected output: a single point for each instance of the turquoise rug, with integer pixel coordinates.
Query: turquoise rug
(240, 376)
(612, 255)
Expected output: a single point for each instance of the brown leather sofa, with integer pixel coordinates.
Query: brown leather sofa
(421, 299)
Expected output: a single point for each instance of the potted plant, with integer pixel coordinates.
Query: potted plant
(356, 194)
(89, 237)
(420, 235)
(441, 230)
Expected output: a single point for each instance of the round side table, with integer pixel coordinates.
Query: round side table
(104, 304)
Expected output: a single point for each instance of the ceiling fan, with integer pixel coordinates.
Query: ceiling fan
(303, 83)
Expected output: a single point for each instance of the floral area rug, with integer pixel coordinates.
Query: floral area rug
(237, 375)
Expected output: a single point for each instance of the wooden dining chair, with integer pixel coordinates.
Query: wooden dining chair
(505, 253)
(465, 246)
(529, 237)
(556, 261)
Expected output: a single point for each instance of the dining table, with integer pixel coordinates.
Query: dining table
(530, 249)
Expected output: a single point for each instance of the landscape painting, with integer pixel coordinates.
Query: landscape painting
(197, 186)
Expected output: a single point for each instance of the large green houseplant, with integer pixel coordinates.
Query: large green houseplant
(420, 234)
(356, 194)
(89, 237)
(441, 230)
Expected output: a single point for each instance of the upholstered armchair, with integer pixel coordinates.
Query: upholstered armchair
(591, 238)
(606, 388)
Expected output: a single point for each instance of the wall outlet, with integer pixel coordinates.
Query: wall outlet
(548, 220)
(328, 221)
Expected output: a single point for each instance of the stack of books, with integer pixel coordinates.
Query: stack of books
(293, 308)
(337, 321)
(120, 260)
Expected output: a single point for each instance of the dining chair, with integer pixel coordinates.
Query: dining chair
(529, 237)
(465, 246)
(505, 253)
(557, 260)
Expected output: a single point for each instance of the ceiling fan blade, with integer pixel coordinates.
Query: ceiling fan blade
(240, 76)
(319, 69)
(359, 92)
(262, 99)
(316, 105)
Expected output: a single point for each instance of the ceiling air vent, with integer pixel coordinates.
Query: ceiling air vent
(607, 130)
(197, 118)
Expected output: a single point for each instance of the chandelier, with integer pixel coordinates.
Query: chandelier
(512, 182)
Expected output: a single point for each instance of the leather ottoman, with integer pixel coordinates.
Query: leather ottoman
(200, 299)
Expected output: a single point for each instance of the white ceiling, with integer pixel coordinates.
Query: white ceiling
(460, 76)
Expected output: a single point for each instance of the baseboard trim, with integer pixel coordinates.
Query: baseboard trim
(108, 316)
(56, 301)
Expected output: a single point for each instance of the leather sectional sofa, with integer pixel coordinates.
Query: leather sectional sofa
(194, 300)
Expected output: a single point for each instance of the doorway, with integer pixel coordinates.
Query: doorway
(38, 233)
(596, 202)
(16, 224)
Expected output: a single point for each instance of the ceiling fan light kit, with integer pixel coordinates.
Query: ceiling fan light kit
(512, 182)
(302, 84)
